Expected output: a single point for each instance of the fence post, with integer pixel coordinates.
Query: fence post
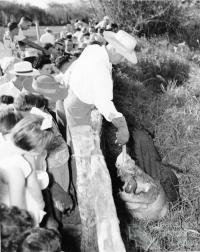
(100, 225)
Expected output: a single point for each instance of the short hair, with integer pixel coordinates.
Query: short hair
(40, 240)
(8, 119)
(21, 43)
(26, 19)
(30, 59)
(86, 34)
(13, 222)
(12, 25)
(59, 42)
(6, 99)
(40, 61)
(69, 36)
(60, 61)
(100, 30)
(25, 101)
(28, 135)
(47, 46)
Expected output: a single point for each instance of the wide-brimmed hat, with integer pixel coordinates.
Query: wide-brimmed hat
(24, 68)
(124, 44)
(47, 86)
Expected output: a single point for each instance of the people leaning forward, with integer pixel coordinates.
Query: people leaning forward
(92, 87)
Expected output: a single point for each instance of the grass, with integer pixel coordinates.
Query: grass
(173, 117)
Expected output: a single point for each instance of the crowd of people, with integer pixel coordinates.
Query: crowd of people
(47, 88)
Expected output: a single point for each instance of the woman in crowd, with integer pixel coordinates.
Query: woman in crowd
(43, 64)
(25, 143)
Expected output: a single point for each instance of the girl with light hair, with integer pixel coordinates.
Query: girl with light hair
(20, 151)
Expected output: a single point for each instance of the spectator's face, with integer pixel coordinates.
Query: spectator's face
(87, 37)
(69, 45)
(114, 56)
(25, 25)
(115, 29)
(92, 30)
(15, 31)
(46, 69)
(59, 50)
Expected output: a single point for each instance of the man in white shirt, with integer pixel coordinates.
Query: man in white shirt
(91, 85)
(47, 37)
(24, 24)
(9, 40)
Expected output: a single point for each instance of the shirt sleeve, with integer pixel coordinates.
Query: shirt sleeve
(103, 90)
(19, 37)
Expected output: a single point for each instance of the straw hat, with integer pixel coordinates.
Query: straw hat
(124, 44)
(47, 86)
(24, 68)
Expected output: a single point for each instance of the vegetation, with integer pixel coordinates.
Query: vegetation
(161, 94)
(55, 14)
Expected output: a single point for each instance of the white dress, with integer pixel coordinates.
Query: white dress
(8, 150)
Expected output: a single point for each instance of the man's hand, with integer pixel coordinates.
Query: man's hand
(122, 130)
(132, 202)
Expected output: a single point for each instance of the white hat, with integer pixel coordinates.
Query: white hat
(46, 85)
(24, 68)
(124, 44)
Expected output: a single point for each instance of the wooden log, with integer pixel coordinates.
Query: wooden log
(100, 225)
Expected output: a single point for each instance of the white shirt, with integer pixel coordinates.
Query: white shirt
(9, 89)
(90, 79)
(47, 38)
(21, 36)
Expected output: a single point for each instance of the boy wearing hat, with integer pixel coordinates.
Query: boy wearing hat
(21, 71)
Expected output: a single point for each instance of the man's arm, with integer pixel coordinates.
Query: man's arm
(34, 45)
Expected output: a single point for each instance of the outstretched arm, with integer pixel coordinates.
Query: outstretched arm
(34, 45)
(16, 184)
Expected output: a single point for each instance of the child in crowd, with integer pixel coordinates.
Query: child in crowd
(43, 64)
(13, 222)
(6, 99)
(40, 240)
(57, 156)
(25, 143)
